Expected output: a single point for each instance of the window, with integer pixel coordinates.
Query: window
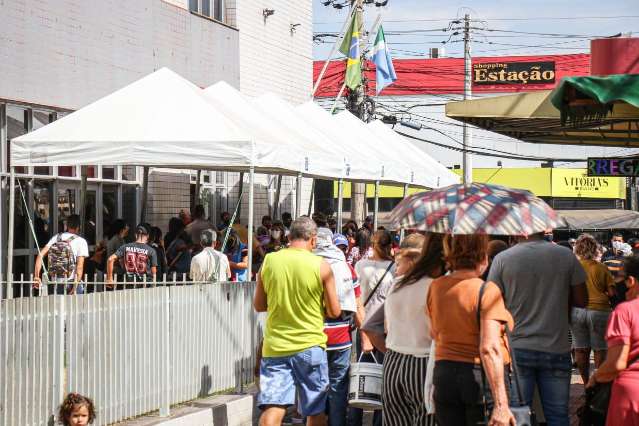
(17, 120)
(41, 119)
(210, 8)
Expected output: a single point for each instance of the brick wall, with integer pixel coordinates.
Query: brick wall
(169, 192)
(69, 53)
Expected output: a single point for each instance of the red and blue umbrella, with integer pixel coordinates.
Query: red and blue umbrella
(475, 209)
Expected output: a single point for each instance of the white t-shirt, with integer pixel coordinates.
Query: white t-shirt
(209, 265)
(407, 326)
(369, 272)
(79, 247)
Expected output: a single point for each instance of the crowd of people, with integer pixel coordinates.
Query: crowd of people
(193, 249)
(496, 318)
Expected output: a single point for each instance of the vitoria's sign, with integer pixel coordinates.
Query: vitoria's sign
(623, 167)
(514, 73)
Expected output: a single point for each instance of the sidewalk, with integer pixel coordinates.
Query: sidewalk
(218, 410)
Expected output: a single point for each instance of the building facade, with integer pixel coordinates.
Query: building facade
(423, 88)
(58, 56)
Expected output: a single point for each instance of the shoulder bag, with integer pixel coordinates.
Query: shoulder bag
(524, 416)
(372, 293)
(595, 409)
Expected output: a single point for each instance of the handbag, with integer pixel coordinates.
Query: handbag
(595, 408)
(523, 414)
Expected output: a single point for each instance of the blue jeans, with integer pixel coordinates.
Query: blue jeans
(339, 362)
(551, 372)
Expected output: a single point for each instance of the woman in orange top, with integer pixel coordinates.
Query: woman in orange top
(463, 345)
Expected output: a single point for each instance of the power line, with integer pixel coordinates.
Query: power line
(510, 156)
(534, 18)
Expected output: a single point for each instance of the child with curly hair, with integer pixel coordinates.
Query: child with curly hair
(76, 410)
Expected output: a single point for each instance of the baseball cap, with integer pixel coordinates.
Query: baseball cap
(340, 240)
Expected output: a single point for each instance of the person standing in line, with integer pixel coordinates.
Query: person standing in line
(66, 252)
(225, 221)
(119, 232)
(468, 321)
(209, 265)
(237, 253)
(297, 290)
(540, 282)
(362, 248)
(588, 325)
(156, 241)
(138, 259)
(287, 219)
(338, 330)
(197, 225)
(178, 252)
(622, 363)
(376, 278)
(408, 332)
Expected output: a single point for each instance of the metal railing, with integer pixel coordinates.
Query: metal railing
(133, 351)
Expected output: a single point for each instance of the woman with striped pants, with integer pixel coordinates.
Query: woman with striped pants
(408, 337)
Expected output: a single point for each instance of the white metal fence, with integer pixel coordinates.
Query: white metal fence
(132, 351)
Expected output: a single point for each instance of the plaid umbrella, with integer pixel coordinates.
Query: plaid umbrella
(475, 209)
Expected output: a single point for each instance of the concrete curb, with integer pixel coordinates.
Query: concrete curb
(221, 410)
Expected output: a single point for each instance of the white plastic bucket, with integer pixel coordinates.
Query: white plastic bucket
(365, 389)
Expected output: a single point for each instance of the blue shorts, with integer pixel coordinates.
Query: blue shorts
(306, 372)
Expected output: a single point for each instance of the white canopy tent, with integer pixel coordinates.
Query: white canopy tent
(298, 152)
(159, 120)
(428, 169)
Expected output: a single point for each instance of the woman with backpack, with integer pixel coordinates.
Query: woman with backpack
(621, 366)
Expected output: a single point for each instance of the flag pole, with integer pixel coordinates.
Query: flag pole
(338, 42)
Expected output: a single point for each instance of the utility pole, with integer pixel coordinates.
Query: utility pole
(358, 190)
(467, 131)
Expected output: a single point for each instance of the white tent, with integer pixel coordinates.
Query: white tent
(296, 150)
(361, 164)
(394, 167)
(159, 120)
(428, 168)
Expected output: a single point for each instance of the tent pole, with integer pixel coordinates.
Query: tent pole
(310, 199)
(250, 222)
(276, 203)
(145, 193)
(240, 189)
(11, 231)
(340, 205)
(196, 198)
(401, 231)
(298, 196)
(376, 206)
(84, 171)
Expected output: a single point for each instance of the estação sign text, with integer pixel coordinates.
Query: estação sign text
(514, 73)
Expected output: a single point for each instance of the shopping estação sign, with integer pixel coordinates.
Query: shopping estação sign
(514, 73)
(621, 167)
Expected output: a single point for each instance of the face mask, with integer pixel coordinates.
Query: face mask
(276, 234)
(548, 237)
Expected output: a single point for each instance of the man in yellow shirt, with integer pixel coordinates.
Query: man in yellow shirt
(297, 290)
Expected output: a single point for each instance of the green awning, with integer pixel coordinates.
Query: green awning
(583, 99)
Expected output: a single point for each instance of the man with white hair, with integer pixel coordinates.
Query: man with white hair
(338, 330)
(297, 289)
(210, 264)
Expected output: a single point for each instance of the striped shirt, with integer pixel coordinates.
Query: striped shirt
(338, 330)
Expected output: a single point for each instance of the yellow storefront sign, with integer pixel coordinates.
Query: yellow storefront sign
(576, 183)
(543, 182)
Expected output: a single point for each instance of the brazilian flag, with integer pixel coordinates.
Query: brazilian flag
(350, 48)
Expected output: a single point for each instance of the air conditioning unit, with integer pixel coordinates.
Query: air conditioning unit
(437, 52)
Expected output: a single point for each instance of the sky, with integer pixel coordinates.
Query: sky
(585, 18)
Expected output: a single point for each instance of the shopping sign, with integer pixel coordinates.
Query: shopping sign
(620, 167)
(514, 73)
